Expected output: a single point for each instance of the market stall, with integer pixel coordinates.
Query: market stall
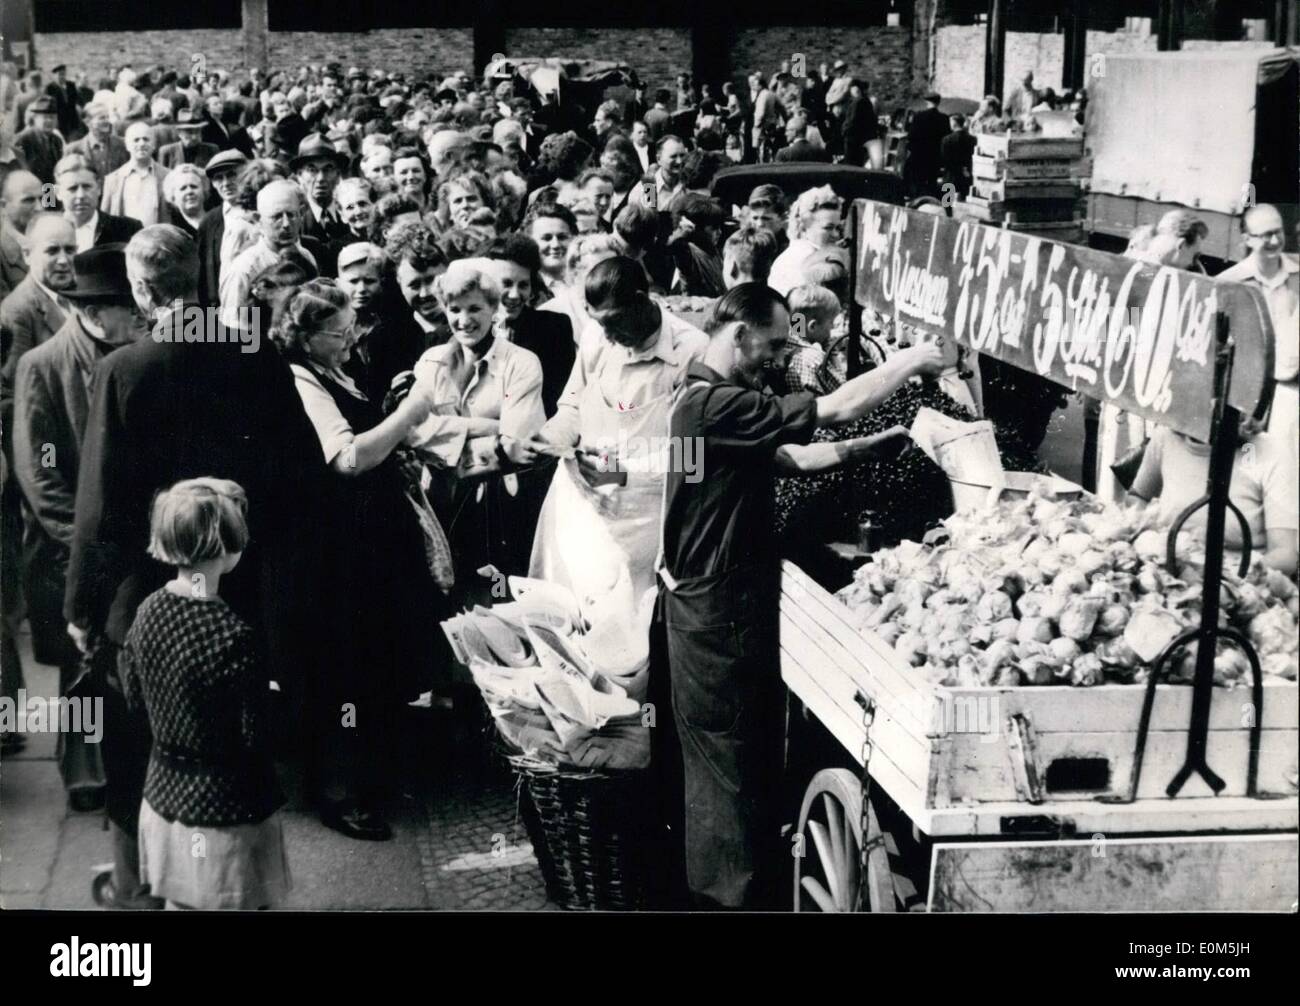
(1053, 705)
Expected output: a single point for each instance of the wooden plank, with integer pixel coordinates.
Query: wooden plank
(880, 658)
(1248, 873)
(847, 729)
(1089, 817)
(980, 767)
(1021, 146)
(1000, 168)
(1004, 190)
(1064, 709)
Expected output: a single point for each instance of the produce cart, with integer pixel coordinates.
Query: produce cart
(1011, 796)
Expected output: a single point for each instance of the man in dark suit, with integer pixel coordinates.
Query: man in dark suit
(221, 134)
(190, 148)
(955, 153)
(228, 413)
(51, 402)
(924, 139)
(318, 167)
(223, 172)
(66, 105)
(79, 193)
(39, 145)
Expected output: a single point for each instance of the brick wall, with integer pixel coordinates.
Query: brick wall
(406, 49)
(657, 54)
(96, 51)
(409, 50)
(882, 55)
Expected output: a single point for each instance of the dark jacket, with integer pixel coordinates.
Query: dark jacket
(175, 153)
(232, 137)
(924, 138)
(107, 158)
(51, 405)
(212, 228)
(955, 152)
(28, 317)
(549, 336)
(388, 349)
(802, 150)
(110, 229)
(164, 410)
(40, 151)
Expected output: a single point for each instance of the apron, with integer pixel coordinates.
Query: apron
(629, 515)
(721, 640)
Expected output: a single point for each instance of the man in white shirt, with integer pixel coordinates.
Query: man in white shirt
(279, 207)
(670, 153)
(216, 240)
(1277, 277)
(135, 189)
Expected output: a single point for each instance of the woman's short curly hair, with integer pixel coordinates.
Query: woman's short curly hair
(302, 311)
(254, 177)
(468, 180)
(564, 155)
(808, 203)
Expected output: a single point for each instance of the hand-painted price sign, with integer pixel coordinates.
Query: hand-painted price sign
(1139, 336)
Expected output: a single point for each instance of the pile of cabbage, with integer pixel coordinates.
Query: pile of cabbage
(1040, 591)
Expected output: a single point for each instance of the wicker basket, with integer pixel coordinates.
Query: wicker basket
(593, 833)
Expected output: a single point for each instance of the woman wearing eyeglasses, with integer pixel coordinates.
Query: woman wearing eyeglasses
(815, 223)
(376, 636)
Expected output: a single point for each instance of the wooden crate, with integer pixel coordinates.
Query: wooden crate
(946, 754)
(1028, 147)
(1023, 211)
(1004, 191)
(999, 168)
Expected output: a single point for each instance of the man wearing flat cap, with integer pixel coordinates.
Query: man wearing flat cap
(318, 167)
(190, 148)
(223, 172)
(52, 401)
(39, 145)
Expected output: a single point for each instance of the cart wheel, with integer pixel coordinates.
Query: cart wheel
(828, 844)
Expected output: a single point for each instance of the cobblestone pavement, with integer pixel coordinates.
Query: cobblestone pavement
(457, 844)
(475, 854)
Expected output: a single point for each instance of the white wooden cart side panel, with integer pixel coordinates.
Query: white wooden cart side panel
(843, 727)
(1064, 709)
(1240, 873)
(1092, 817)
(980, 766)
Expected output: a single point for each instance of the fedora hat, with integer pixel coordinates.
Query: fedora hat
(186, 119)
(315, 147)
(101, 276)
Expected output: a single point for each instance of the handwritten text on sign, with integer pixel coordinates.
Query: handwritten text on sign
(1138, 335)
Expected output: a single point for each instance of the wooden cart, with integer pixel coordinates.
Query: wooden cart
(1048, 798)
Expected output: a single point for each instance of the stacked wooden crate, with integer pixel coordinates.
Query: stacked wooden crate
(1029, 183)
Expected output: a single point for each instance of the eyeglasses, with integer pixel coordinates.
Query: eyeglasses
(1275, 233)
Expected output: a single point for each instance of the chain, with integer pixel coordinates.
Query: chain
(864, 845)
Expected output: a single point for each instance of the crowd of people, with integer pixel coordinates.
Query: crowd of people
(295, 364)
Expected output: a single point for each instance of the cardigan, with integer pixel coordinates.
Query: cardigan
(191, 663)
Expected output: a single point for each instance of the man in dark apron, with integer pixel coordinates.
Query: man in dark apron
(720, 578)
